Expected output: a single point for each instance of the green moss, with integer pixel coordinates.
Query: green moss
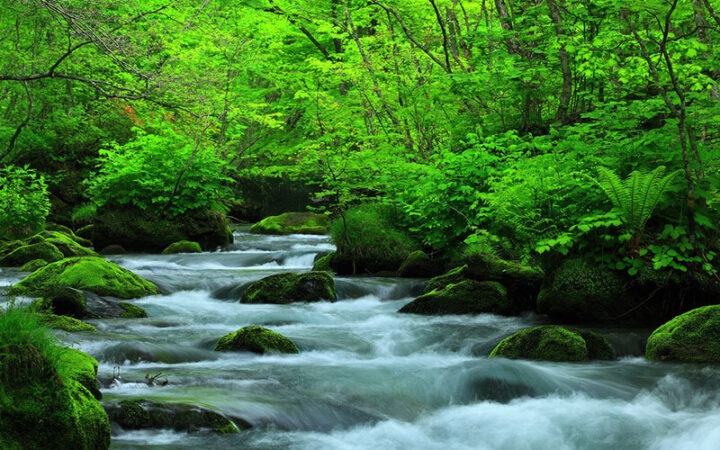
(33, 265)
(27, 253)
(66, 244)
(65, 323)
(693, 337)
(323, 264)
(291, 287)
(418, 265)
(182, 247)
(465, 297)
(292, 223)
(132, 311)
(454, 276)
(92, 274)
(256, 340)
(82, 368)
(545, 343)
(598, 347)
(369, 240)
(584, 291)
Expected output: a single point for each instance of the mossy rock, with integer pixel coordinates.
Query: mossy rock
(293, 223)
(50, 226)
(33, 265)
(182, 247)
(418, 265)
(257, 340)
(65, 323)
(323, 263)
(113, 250)
(63, 301)
(85, 232)
(690, 337)
(92, 274)
(51, 406)
(67, 244)
(143, 231)
(554, 343)
(522, 282)
(465, 297)
(132, 311)
(454, 276)
(85, 242)
(582, 291)
(291, 287)
(149, 414)
(26, 253)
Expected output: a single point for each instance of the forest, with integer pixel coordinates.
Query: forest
(360, 224)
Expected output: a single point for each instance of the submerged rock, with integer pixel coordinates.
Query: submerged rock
(291, 287)
(257, 340)
(92, 274)
(692, 337)
(293, 223)
(554, 343)
(144, 414)
(182, 247)
(418, 265)
(86, 305)
(465, 297)
(113, 250)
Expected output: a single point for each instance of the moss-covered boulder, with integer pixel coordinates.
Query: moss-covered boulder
(146, 414)
(65, 323)
(33, 265)
(79, 304)
(418, 265)
(454, 276)
(26, 253)
(92, 274)
(465, 297)
(113, 250)
(291, 287)
(369, 241)
(582, 291)
(257, 340)
(293, 223)
(553, 343)
(131, 311)
(146, 231)
(522, 282)
(45, 400)
(182, 247)
(322, 263)
(67, 244)
(692, 337)
(85, 232)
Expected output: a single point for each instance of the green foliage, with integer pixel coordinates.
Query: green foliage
(143, 172)
(636, 197)
(24, 202)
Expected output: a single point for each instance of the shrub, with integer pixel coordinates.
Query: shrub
(24, 202)
(143, 173)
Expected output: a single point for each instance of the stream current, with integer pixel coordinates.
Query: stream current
(370, 378)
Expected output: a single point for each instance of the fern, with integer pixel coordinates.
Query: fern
(636, 197)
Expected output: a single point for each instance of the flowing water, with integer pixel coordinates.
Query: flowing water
(369, 378)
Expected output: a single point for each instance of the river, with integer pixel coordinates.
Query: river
(370, 378)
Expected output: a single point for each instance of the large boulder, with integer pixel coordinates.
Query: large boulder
(521, 281)
(92, 274)
(465, 297)
(257, 340)
(293, 223)
(144, 414)
(26, 253)
(50, 402)
(418, 265)
(182, 247)
(71, 302)
(291, 287)
(693, 337)
(145, 232)
(67, 244)
(554, 343)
